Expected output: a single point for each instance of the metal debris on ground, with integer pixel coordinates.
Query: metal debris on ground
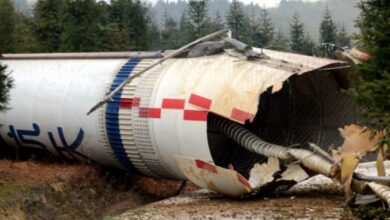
(356, 179)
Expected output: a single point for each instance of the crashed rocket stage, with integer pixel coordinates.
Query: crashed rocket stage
(160, 123)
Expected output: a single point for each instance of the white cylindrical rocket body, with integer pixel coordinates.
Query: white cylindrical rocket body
(141, 129)
(164, 112)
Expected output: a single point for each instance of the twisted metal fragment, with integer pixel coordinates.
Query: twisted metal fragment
(381, 190)
(247, 139)
(312, 161)
(385, 180)
(320, 151)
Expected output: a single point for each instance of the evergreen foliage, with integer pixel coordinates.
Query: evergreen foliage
(154, 38)
(236, 20)
(198, 22)
(309, 46)
(300, 42)
(280, 42)
(132, 19)
(372, 90)
(7, 26)
(139, 26)
(327, 28)
(218, 22)
(263, 37)
(297, 34)
(170, 34)
(24, 37)
(183, 29)
(47, 21)
(342, 37)
(5, 85)
(80, 26)
(124, 25)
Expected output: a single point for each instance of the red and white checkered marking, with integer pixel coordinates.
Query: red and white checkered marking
(179, 104)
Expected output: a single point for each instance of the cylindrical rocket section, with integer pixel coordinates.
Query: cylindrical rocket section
(164, 112)
(141, 129)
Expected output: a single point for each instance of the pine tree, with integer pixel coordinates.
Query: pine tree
(154, 35)
(183, 30)
(297, 34)
(80, 26)
(198, 22)
(140, 29)
(114, 38)
(372, 90)
(47, 23)
(7, 26)
(132, 18)
(24, 37)
(252, 27)
(218, 23)
(342, 38)
(327, 28)
(309, 47)
(6, 84)
(265, 33)
(237, 20)
(280, 42)
(170, 34)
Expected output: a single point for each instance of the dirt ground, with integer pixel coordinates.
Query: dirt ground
(47, 190)
(40, 190)
(314, 199)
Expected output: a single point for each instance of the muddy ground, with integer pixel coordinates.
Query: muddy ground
(318, 198)
(45, 189)
(41, 190)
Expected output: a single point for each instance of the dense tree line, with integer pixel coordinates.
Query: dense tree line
(372, 89)
(123, 25)
(75, 25)
(256, 30)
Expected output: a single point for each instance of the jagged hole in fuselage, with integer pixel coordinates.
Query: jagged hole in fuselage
(309, 108)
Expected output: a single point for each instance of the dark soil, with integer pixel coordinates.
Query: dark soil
(47, 190)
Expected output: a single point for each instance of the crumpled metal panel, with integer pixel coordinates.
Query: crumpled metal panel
(209, 176)
(263, 178)
(230, 85)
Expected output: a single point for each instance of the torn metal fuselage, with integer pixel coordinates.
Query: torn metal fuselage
(282, 98)
(293, 101)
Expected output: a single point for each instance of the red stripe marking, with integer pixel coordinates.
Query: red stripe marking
(243, 180)
(240, 115)
(136, 102)
(204, 165)
(195, 115)
(200, 101)
(150, 113)
(173, 103)
(129, 102)
(364, 56)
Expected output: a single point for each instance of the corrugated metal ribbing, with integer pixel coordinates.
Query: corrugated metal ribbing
(129, 102)
(142, 123)
(112, 117)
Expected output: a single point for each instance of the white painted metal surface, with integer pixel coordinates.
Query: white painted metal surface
(160, 114)
(50, 98)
